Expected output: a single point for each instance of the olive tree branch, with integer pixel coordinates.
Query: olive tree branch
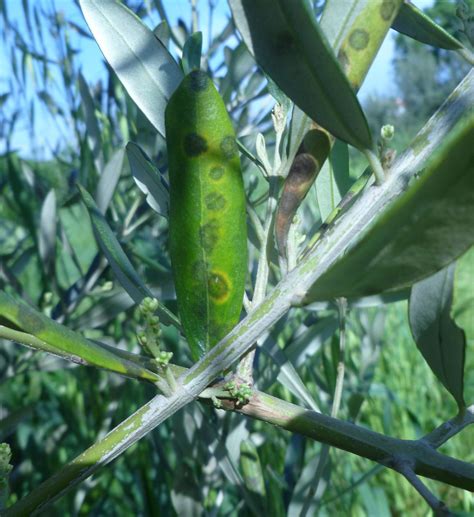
(385, 450)
(291, 290)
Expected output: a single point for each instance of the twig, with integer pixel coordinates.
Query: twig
(438, 507)
(448, 429)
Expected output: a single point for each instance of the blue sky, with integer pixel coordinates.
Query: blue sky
(379, 79)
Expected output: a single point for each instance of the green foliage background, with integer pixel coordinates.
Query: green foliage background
(50, 411)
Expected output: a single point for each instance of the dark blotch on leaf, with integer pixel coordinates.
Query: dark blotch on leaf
(386, 9)
(218, 286)
(216, 173)
(194, 144)
(343, 60)
(198, 80)
(284, 42)
(215, 201)
(359, 39)
(303, 170)
(209, 234)
(228, 147)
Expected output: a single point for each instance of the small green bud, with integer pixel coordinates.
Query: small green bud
(163, 358)
(387, 132)
(108, 286)
(217, 403)
(154, 321)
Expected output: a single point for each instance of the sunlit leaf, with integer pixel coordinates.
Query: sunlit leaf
(192, 53)
(413, 22)
(143, 64)
(148, 179)
(108, 180)
(47, 230)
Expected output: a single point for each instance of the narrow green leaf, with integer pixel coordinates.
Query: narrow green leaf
(142, 63)
(441, 342)
(93, 132)
(413, 22)
(108, 180)
(47, 230)
(239, 66)
(252, 473)
(119, 262)
(462, 310)
(293, 51)
(25, 324)
(334, 180)
(148, 179)
(370, 23)
(288, 375)
(425, 229)
(192, 53)
(162, 32)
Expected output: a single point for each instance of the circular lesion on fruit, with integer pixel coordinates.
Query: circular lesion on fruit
(359, 39)
(228, 147)
(209, 234)
(198, 80)
(194, 144)
(219, 286)
(216, 173)
(215, 201)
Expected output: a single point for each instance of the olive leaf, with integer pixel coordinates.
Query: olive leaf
(293, 51)
(208, 237)
(413, 22)
(118, 260)
(425, 229)
(142, 63)
(439, 339)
